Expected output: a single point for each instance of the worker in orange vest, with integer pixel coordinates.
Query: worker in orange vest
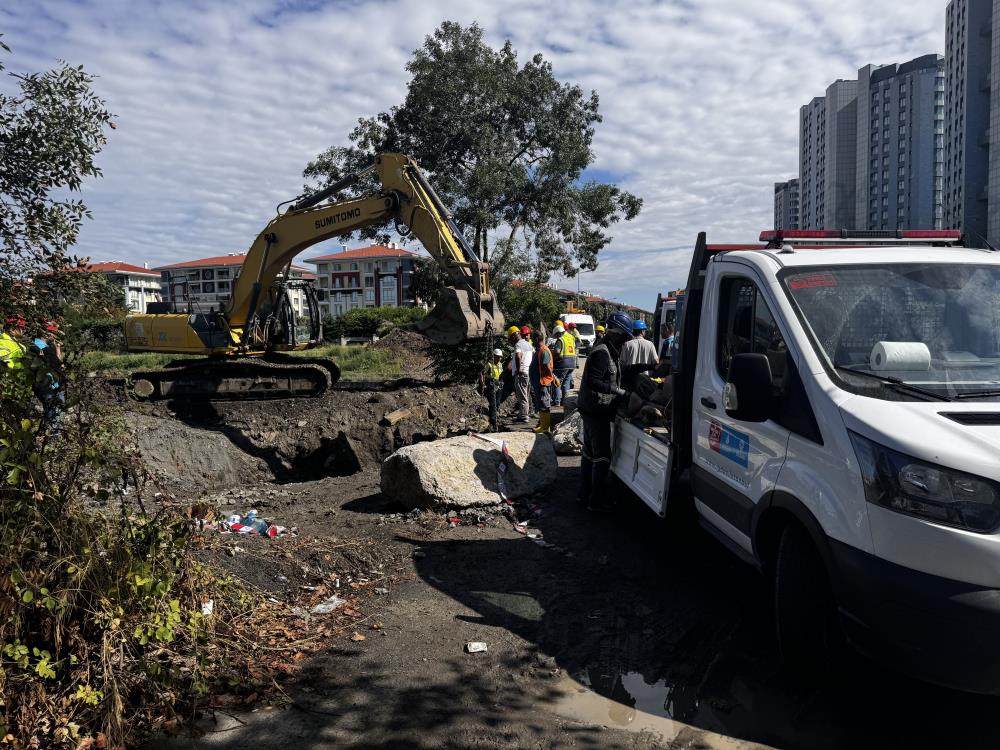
(542, 379)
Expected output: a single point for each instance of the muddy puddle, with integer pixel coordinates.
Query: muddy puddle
(637, 707)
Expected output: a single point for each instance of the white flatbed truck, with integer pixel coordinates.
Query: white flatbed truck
(837, 412)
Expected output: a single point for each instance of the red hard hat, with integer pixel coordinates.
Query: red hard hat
(52, 326)
(525, 330)
(572, 325)
(15, 320)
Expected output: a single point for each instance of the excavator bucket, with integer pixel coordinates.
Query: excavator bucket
(459, 316)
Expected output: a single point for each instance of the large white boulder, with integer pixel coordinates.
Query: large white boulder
(461, 472)
(567, 438)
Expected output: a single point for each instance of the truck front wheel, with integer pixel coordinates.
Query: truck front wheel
(805, 612)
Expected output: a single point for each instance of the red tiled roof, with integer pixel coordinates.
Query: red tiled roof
(115, 266)
(232, 259)
(372, 251)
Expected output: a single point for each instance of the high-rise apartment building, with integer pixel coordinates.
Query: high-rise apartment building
(972, 99)
(812, 163)
(786, 204)
(841, 154)
(827, 156)
(900, 150)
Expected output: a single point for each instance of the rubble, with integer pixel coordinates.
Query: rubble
(462, 472)
(567, 438)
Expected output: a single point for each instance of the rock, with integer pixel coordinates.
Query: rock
(394, 417)
(567, 438)
(461, 472)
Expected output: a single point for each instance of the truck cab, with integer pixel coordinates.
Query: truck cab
(837, 411)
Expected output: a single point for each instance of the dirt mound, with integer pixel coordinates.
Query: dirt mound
(412, 349)
(296, 440)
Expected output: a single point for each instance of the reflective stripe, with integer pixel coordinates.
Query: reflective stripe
(494, 370)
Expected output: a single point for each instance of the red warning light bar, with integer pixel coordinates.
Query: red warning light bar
(858, 236)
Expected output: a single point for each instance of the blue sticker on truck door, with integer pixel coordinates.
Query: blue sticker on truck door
(730, 443)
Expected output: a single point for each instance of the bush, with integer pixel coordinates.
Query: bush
(370, 321)
(102, 631)
(98, 335)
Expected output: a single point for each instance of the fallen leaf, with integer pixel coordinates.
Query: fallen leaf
(357, 637)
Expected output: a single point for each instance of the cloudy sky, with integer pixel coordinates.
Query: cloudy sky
(220, 105)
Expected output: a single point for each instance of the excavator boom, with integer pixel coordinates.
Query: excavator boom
(257, 320)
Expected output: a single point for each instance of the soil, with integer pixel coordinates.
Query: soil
(411, 348)
(605, 630)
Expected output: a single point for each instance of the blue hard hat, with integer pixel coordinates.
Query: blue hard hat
(639, 325)
(619, 321)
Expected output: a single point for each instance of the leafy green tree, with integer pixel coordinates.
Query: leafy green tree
(531, 304)
(506, 145)
(51, 130)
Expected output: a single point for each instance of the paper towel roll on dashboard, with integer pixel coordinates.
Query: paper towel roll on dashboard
(900, 355)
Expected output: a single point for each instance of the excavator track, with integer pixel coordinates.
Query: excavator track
(247, 378)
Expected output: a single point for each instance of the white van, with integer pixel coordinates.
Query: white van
(584, 326)
(837, 408)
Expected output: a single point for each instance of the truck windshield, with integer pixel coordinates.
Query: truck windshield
(932, 326)
(585, 329)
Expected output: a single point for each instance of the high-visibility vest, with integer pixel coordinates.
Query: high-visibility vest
(11, 352)
(494, 369)
(545, 375)
(568, 344)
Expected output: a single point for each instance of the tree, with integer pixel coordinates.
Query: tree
(51, 130)
(506, 146)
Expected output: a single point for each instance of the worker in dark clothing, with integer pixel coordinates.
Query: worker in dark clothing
(600, 394)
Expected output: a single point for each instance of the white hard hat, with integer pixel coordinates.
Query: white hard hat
(497, 353)
(558, 328)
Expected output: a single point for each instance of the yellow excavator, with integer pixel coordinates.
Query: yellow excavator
(243, 343)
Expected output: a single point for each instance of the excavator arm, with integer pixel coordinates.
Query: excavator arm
(466, 309)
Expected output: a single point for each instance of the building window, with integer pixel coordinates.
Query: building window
(354, 266)
(194, 288)
(222, 273)
(208, 274)
(336, 266)
(369, 295)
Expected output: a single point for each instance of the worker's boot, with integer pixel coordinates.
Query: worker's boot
(544, 423)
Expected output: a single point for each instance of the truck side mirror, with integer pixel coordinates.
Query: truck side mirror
(749, 395)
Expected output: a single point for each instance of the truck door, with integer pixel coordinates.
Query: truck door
(735, 463)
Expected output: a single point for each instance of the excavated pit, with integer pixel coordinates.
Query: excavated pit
(213, 445)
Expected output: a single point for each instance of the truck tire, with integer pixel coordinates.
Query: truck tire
(804, 609)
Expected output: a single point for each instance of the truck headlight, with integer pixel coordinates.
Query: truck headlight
(908, 485)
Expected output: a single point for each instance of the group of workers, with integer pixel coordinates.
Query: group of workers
(539, 373)
(37, 358)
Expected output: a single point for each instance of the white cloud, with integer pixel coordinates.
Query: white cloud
(221, 105)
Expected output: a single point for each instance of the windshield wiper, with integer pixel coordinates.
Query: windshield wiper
(895, 383)
(977, 394)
